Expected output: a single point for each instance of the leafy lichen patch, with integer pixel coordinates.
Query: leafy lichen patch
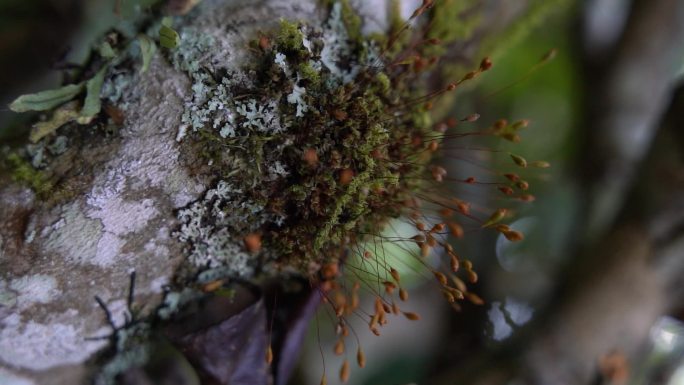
(39, 346)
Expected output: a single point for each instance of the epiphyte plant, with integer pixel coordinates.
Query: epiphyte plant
(311, 153)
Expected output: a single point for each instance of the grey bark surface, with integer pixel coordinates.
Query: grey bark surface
(54, 260)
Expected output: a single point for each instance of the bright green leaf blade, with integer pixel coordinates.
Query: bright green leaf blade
(46, 100)
(168, 37)
(93, 103)
(147, 49)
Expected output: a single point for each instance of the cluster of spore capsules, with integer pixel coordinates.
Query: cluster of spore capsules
(336, 138)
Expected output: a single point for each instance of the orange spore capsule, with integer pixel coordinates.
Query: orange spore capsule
(446, 212)
(420, 238)
(463, 207)
(514, 236)
(433, 146)
(382, 319)
(340, 310)
(212, 286)
(339, 347)
(378, 306)
(440, 277)
(424, 250)
(523, 185)
(310, 156)
(395, 308)
(455, 229)
(454, 263)
(395, 274)
(252, 242)
(502, 228)
(472, 276)
(412, 316)
(500, 124)
(431, 241)
(340, 115)
(506, 190)
(344, 371)
(264, 43)
(346, 176)
(485, 64)
(438, 173)
(374, 321)
(475, 299)
(438, 228)
(512, 177)
(360, 358)
(403, 294)
(269, 355)
(389, 287)
(420, 226)
(354, 302)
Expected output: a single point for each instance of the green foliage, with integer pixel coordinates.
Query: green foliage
(168, 37)
(312, 141)
(92, 103)
(46, 100)
(289, 38)
(147, 50)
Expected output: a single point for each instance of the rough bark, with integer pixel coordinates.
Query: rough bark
(56, 258)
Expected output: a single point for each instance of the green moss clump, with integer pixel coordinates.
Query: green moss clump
(316, 146)
(23, 172)
(289, 38)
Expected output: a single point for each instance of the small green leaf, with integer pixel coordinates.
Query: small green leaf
(63, 115)
(168, 37)
(46, 100)
(106, 50)
(495, 218)
(92, 103)
(147, 49)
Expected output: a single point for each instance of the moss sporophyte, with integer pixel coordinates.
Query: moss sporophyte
(315, 151)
